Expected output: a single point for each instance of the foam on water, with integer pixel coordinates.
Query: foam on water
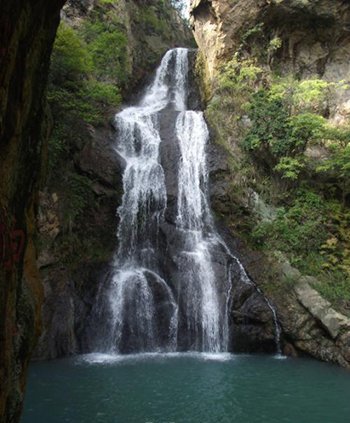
(102, 358)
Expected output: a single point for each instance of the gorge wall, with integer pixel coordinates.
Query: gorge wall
(27, 33)
(275, 76)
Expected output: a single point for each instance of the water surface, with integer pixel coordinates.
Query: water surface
(198, 388)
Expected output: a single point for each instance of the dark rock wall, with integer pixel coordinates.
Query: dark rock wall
(27, 30)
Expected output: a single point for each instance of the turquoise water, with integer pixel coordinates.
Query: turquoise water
(186, 388)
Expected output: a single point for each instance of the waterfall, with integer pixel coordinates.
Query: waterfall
(193, 216)
(171, 281)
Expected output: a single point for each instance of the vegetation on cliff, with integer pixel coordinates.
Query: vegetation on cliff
(100, 54)
(294, 154)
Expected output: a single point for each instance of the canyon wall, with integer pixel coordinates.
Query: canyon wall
(27, 33)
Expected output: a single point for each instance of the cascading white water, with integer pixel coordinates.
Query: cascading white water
(132, 303)
(193, 217)
(151, 308)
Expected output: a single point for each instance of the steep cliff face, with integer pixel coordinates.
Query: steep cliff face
(314, 39)
(104, 50)
(275, 76)
(315, 34)
(27, 33)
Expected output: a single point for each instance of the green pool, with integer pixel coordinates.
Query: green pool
(177, 388)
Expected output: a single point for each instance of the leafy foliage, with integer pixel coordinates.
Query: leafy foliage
(289, 167)
(108, 48)
(275, 133)
(88, 68)
(71, 59)
(87, 72)
(299, 228)
(239, 75)
(270, 132)
(337, 164)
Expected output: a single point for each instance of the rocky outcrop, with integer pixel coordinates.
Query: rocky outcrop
(27, 33)
(310, 325)
(309, 321)
(150, 27)
(314, 36)
(314, 33)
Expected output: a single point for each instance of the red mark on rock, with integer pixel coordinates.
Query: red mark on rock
(11, 246)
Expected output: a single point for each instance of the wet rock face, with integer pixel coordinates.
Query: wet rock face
(70, 289)
(69, 298)
(250, 321)
(27, 32)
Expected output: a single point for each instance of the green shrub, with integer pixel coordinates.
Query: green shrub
(310, 94)
(71, 59)
(109, 53)
(239, 75)
(270, 133)
(337, 164)
(290, 167)
(298, 229)
(103, 93)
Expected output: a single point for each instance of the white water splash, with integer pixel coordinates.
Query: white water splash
(131, 297)
(200, 291)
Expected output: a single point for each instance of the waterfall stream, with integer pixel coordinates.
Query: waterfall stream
(149, 307)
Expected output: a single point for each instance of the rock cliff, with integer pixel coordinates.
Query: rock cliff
(314, 33)
(266, 188)
(313, 37)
